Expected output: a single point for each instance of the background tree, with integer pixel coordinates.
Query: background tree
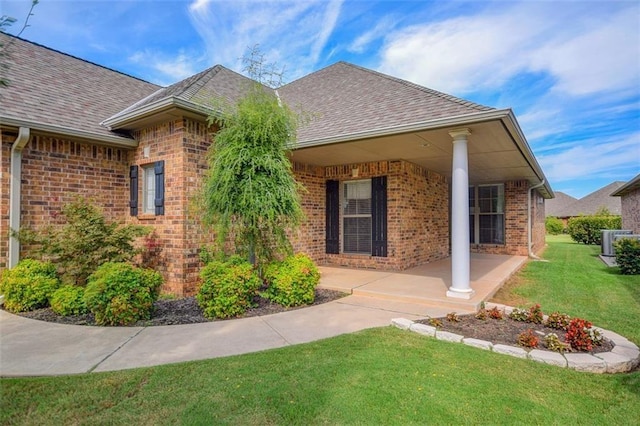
(250, 193)
(7, 21)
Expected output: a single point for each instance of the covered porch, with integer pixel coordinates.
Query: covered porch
(424, 285)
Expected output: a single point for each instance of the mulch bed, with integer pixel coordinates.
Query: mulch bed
(181, 311)
(504, 331)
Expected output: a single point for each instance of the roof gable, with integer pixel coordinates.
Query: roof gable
(55, 89)
(198, 90)
(345, 99)
(593, 202)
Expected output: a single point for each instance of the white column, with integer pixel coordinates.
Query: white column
(460, 261)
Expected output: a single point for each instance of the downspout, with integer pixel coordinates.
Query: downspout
(529, 227)
(14, 193)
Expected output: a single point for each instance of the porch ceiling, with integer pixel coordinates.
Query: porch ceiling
(495, 154)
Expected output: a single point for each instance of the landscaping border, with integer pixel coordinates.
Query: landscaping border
(624, 357)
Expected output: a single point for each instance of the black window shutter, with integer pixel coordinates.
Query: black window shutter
(379, 216)
(159, 200)
(332, 217)
(133, 188)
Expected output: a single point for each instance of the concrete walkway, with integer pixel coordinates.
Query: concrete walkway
(36, 348)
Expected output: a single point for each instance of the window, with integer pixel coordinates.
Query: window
(486, 214)
(360, 209)
(152, 189)
(149, 189)
(356, 217)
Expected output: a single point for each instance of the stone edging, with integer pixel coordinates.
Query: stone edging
(625, 355)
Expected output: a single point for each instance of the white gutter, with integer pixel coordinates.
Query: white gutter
(529, 229)
(460, 120)
(14, 193)
(110, 140)
(128, 116)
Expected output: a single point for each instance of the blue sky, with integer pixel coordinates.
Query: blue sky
(569, 69)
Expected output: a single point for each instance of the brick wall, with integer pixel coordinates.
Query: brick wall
(516, 222)
(538, 215)
(417, 214)
(54, 172)
(631, 211)
(182, 144)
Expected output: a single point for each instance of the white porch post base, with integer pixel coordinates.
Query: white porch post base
(462, 293)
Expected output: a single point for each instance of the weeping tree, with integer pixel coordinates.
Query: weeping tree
(250, 194)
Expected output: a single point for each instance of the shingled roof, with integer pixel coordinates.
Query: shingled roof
(344, 99)
(54, 89)
(556, 206)
(591, 203)
(199, 90)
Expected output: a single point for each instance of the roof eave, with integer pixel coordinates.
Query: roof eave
(111, 140)
(627, 187)
(119, 121)
(504, 115)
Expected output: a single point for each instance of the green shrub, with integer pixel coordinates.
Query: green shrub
(293, 281)
(553, 225)
(228, 288)
(628, 255)
(588, 229)
(69, 300)
(85, 241)
(28, 285)
(121, 294)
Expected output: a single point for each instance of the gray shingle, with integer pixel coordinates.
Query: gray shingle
(53, 88)
(345, 99)
(591, 203)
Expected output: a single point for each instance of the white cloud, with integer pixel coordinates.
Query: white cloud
(290, 33)
(378, 31)
(586, 48)
(593, 157)
(168, 70)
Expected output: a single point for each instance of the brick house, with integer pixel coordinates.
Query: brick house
(396, 174)
(630, 199)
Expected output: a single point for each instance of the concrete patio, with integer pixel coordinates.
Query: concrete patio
(425, 284)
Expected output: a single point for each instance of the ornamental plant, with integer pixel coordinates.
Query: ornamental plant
(84, 241)
(121, 294)
(228, 288)
(452, 317)
(495, 313)
(69, 300)
(628, 256)
(528, 339)
(482, 314)
(588, 229)
(558, 321)
(535, 314)
(519, 314)
(553, 225)
(250, 193)
(435, 322)
(28, 285)
(292, 282)
(553, 343)
(581, 336)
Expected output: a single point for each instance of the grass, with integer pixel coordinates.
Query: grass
(575, 281)
(378, 376)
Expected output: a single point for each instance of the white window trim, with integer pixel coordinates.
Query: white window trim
(475, 212)
(343, 216)
(148, 169)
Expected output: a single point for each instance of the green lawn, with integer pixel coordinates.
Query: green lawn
(379, 376)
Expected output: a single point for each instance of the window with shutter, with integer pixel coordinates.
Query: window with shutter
(153, 188)
(356, 217)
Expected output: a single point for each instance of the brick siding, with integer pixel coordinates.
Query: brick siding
(631, 211)
(55, 170)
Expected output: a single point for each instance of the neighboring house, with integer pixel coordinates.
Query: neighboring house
(630, 198)
(565, 207)
(396, 174)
